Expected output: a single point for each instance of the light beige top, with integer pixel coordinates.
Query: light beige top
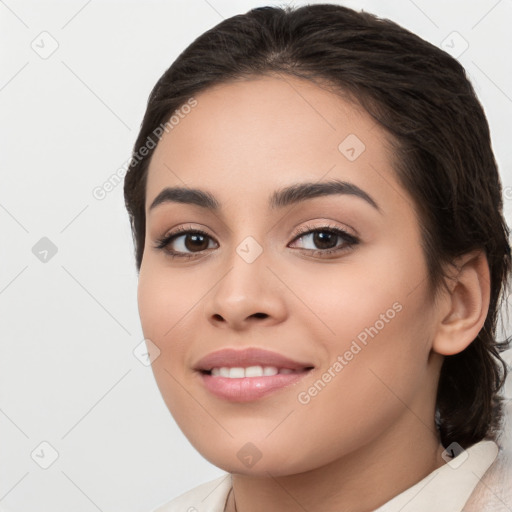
(457, 486)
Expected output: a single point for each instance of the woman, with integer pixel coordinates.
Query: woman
(317, 217)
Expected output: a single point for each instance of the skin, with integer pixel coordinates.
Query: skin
(369, 433)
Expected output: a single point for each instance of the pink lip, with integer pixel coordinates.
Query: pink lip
(247, 357)
(246, 389)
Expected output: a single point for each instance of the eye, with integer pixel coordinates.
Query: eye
(178, 242)
(327, 239)
(187, 242)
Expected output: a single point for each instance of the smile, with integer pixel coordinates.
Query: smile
(244, 375)
(239, 372)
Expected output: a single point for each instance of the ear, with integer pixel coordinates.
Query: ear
(464, 305)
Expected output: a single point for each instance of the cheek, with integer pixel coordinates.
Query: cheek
(169, 303)
(164, 299)
(160, 314)
(363, 388)
(151, 298)
(369, 291)
(377, 329)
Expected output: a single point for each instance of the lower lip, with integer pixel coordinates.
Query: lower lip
(247, 389)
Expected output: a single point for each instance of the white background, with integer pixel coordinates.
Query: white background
(69, 326)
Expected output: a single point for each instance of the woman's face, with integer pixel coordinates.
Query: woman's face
(329, 282)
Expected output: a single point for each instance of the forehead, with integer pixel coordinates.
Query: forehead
(261, 133)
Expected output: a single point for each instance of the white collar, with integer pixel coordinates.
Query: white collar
(448, 488)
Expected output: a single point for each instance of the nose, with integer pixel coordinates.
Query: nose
(247, 293)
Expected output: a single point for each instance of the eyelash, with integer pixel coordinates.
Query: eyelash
(349, 240)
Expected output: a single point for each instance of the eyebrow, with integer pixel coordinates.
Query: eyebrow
(279, 199)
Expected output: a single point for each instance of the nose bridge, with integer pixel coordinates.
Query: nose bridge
(247, 289)
(246, 276)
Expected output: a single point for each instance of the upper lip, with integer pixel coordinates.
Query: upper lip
(232, 358)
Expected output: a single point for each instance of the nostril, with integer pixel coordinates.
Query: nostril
(260, 315)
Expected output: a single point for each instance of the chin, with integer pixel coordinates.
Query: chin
(257, 459)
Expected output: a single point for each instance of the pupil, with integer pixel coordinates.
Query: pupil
(321, 237)
(195, 238)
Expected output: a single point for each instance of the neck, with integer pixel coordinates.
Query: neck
(360, 481)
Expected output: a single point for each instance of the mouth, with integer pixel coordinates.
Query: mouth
(250, 374)
(240, 372)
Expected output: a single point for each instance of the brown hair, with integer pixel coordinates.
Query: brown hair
(442, 149)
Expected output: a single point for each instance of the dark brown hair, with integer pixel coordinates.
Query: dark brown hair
(441, 146)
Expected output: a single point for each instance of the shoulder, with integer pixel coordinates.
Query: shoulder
(207, 497)
(494, 491)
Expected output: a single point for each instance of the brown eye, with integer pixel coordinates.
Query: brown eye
(195, 242)
(185, 243)
(325, 240)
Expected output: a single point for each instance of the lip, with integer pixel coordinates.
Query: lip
(246, 389)
(247, 357)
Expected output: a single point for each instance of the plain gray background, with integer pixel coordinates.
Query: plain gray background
(74, 81)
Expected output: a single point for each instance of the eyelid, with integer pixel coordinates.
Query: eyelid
(326, 225)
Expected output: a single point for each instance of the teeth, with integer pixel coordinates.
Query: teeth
(250, 371)
(224, 372)
(254, 371)
(236, 373)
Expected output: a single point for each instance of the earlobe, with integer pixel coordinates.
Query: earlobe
(464, 305)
